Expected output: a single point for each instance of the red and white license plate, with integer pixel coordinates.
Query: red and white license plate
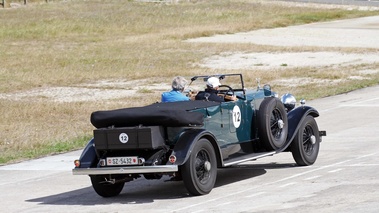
(119, 161)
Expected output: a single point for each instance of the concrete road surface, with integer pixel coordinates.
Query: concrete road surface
(343, 179)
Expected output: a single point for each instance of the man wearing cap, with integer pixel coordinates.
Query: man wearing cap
(210, 93)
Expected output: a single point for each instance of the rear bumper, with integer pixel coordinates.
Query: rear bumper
(125, 170)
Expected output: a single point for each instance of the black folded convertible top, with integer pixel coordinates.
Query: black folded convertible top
(172, 114)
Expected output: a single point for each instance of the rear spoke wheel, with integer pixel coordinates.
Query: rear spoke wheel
(200, 170)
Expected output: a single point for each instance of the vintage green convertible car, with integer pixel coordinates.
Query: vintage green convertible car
(189, 140)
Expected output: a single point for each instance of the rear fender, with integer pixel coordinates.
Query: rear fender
(88, 158)
(186, 142)
(296, 117)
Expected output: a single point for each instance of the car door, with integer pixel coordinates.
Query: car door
(231, 115)
(238, 116)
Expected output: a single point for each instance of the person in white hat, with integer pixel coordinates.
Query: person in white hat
(210, 93)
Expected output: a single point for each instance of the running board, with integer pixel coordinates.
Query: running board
(245, 158)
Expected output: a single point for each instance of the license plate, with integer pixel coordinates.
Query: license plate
(117, 161)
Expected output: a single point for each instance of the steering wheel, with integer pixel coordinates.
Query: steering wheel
(230, 90)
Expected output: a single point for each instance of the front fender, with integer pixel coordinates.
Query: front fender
(295, 118)
(88, 158)
(183, 147)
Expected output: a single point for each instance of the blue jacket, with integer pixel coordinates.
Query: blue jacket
(173, 96)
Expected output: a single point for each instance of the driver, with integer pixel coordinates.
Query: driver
(211, 92)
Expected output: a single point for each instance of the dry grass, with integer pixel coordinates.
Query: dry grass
(75, 42)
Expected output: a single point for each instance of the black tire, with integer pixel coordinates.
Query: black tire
(106, 189)
(199, 172)
(272, 124)
(306, 143)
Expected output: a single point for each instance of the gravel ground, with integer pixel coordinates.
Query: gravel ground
(286, 60)
(104, 90)
(353, 33)
(359, 34)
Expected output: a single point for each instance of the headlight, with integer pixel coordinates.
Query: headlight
(289, 101)
(267, 90)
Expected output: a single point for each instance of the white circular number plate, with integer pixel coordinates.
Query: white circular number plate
(236, 116)
(123, 137)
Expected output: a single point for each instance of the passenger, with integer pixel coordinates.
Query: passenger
(178, 85)
(211, 92)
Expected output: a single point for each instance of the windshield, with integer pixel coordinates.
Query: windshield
(234, 81)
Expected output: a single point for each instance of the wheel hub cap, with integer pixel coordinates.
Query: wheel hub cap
(313, 139)
(280, 124)
(207, 166)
